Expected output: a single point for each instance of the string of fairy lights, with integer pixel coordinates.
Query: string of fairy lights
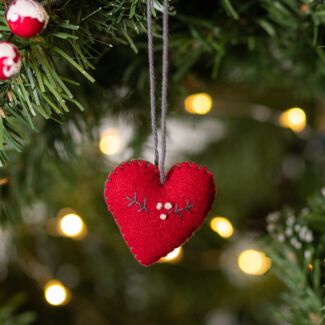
(69, 224)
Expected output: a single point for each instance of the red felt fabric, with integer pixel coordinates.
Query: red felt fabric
(26, 26)
(148, 237)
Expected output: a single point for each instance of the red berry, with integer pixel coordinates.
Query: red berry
(26, 18)
(10, 62)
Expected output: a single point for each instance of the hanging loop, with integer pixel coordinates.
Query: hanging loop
(160, 157)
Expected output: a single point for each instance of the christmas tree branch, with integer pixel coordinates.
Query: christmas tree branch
(297, 248)
(42, 89)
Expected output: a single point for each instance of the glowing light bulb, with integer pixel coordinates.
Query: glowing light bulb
(293, 118)
(254, 262)
(110, 142)
(173, 257)
(200, 103)
(71, 225)
(56, 294)
(222, 226)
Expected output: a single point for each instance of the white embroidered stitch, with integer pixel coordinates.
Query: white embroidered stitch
(159, 206)
(168, 206)
(163, 216)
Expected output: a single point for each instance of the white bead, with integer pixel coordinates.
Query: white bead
(159, 206)
(168, 206)
(163, 216)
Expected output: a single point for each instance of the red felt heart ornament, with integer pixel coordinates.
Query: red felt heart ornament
(154, 219)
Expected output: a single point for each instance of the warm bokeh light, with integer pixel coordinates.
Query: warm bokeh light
(110, 142)
(254, 262)
(3, 181)
(71, 225)
(293, 118)
(222, 226)
(56, 294)
(173, 257)
(200, 103)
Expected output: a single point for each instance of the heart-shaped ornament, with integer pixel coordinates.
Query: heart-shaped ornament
(154, 219)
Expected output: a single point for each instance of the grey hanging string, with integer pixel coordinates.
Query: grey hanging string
(152, 82)
(164, 92)
(164, 88)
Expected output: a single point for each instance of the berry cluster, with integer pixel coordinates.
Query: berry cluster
(25, 18)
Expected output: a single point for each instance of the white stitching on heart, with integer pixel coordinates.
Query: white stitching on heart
(168, 206)
(113, 174)
(163, 216)
(134, 201)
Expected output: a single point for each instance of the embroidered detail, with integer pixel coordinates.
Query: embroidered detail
(134, 201)
(159, 206)
(188, 207)
(163, 216)
(168, 206)
(142, 207)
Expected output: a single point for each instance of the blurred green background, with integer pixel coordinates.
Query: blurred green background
(252, 62)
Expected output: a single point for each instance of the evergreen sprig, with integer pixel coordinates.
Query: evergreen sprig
(297, 248)
(270, 35)
(43, 88)
(9, 314)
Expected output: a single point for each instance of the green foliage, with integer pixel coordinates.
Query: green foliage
(266, 43)
(266, 52)
(9, 315)
(297, 248)
(72, 39)
(276, 35)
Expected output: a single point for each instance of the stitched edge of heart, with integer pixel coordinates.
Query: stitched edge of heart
(114, 173)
